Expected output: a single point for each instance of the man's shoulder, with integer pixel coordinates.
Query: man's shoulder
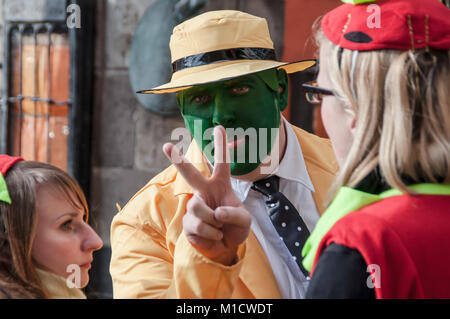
(152, 208)
(316, 150)
(158, 186)
(167, 188)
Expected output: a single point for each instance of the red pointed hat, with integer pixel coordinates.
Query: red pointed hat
(7, 161)
(389, 24)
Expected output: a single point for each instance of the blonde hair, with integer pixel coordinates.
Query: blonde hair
(18, 277)
(401, 102)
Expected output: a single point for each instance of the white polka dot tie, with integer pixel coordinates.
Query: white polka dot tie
(285, 218)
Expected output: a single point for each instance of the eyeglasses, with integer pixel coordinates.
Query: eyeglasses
(314, 94)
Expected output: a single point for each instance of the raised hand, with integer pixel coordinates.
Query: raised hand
(216, 222)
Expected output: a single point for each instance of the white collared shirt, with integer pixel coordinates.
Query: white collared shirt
(296, 185)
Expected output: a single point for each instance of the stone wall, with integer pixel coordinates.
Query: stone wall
(127, 139)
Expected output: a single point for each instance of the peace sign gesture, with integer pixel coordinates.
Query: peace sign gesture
(216, 222)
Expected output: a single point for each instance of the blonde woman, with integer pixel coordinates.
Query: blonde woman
(384, 88)
(46, 244)
(385, 105)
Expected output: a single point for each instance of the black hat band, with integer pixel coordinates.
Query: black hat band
(223, 55)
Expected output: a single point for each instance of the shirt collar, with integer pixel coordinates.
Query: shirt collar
(293, 158)
(292, 166)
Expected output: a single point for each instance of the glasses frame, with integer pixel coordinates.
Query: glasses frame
(313, 88)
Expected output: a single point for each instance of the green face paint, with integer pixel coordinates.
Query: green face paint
(247, 107)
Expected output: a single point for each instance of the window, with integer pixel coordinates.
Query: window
(48, 74)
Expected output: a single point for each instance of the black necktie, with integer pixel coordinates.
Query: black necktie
(285, 218)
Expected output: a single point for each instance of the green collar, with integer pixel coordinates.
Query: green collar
(4, 195)
(348, 200)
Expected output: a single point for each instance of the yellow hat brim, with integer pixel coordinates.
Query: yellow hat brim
(221, 71)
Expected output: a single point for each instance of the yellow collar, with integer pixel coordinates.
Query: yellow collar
(56, 288)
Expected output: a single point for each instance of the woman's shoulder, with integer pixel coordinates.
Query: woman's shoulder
(392, 220)
(405, 206)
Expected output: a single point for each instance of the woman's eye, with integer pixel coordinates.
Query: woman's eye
(240, 89)
(201, 99)
(68, 225)
(314, 98)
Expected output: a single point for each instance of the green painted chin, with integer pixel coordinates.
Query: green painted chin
(239, 169)
(247, 158)
(236, 168)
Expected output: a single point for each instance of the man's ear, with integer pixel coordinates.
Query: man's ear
(283, 89)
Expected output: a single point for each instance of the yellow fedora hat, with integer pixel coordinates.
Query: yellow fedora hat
(221, 45)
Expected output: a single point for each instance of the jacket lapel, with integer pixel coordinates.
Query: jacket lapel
(320, 163)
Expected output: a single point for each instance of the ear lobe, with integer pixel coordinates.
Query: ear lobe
(283, 89)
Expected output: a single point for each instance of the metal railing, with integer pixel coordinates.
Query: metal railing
(35, 25)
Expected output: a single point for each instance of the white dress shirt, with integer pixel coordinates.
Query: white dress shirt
(296, 185)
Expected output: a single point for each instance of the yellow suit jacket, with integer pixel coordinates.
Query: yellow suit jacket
(151, 257)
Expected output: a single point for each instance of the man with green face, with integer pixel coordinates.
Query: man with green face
(201, 228)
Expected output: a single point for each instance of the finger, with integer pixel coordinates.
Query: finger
(237, 216)
(197, 207)
(221, 153)
(200, 243)
(194, 226)
(184, 167)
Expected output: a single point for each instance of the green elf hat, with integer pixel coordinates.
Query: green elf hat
(6, 162)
